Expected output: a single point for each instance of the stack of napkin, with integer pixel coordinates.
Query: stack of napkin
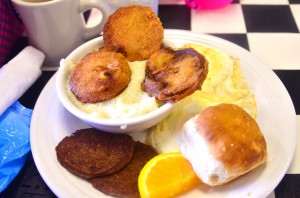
(15, 78)
(18, 75)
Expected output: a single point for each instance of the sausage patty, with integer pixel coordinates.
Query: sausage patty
(125, 182)
(92, 153)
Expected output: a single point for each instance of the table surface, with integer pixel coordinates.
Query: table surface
(269, 29)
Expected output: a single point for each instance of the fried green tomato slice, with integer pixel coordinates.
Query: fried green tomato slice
(172, 74)
(135, 31)
(100, 76)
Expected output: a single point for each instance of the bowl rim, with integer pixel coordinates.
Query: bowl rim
(71, 107)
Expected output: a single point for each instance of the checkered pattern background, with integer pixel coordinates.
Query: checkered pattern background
(269, 29)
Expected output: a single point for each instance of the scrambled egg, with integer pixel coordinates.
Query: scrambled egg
(132, 102)
(224, 84)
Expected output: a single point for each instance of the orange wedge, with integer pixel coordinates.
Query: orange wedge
(167, 175)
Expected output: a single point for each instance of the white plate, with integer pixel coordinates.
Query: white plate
(51, 122)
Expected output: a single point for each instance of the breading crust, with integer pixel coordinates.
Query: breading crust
(135, 31)
(100, 76)
(172, 74)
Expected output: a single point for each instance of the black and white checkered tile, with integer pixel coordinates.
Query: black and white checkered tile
(269, 29)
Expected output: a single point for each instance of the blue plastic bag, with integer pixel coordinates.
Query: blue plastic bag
(14, 142)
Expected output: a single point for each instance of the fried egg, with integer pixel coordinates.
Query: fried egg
(225, 83)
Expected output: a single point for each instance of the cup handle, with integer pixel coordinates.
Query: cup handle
(90, 32)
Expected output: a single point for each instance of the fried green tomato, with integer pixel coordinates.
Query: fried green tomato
(100, 76)
(172, 74)
(135, 31)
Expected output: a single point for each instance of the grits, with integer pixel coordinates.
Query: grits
(132, 102)
(224, 84)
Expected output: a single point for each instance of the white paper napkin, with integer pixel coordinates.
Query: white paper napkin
(18, 75)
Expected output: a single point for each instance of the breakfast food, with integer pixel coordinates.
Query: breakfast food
(172, 74)
(222, 143)
(135, 31)
(224, 83)
(131, 102)
(167, 175)
(194, 77)
(100, 76)
(91, 153)
(124, 183)
(111, 162)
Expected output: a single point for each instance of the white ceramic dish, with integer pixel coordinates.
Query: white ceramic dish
(138, 123)
(51, 122)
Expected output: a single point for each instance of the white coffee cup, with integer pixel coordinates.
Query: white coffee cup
(56, 27)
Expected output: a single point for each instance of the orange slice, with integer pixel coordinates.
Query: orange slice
(167, 175)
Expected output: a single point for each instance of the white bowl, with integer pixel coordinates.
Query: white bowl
(127, 125)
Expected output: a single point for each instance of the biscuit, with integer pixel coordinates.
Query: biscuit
(228, 141)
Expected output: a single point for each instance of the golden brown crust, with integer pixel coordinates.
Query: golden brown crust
(233, 137)
(135, 31)
(91, 153)
(174, 74)
(125, 182)
(100, 76)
